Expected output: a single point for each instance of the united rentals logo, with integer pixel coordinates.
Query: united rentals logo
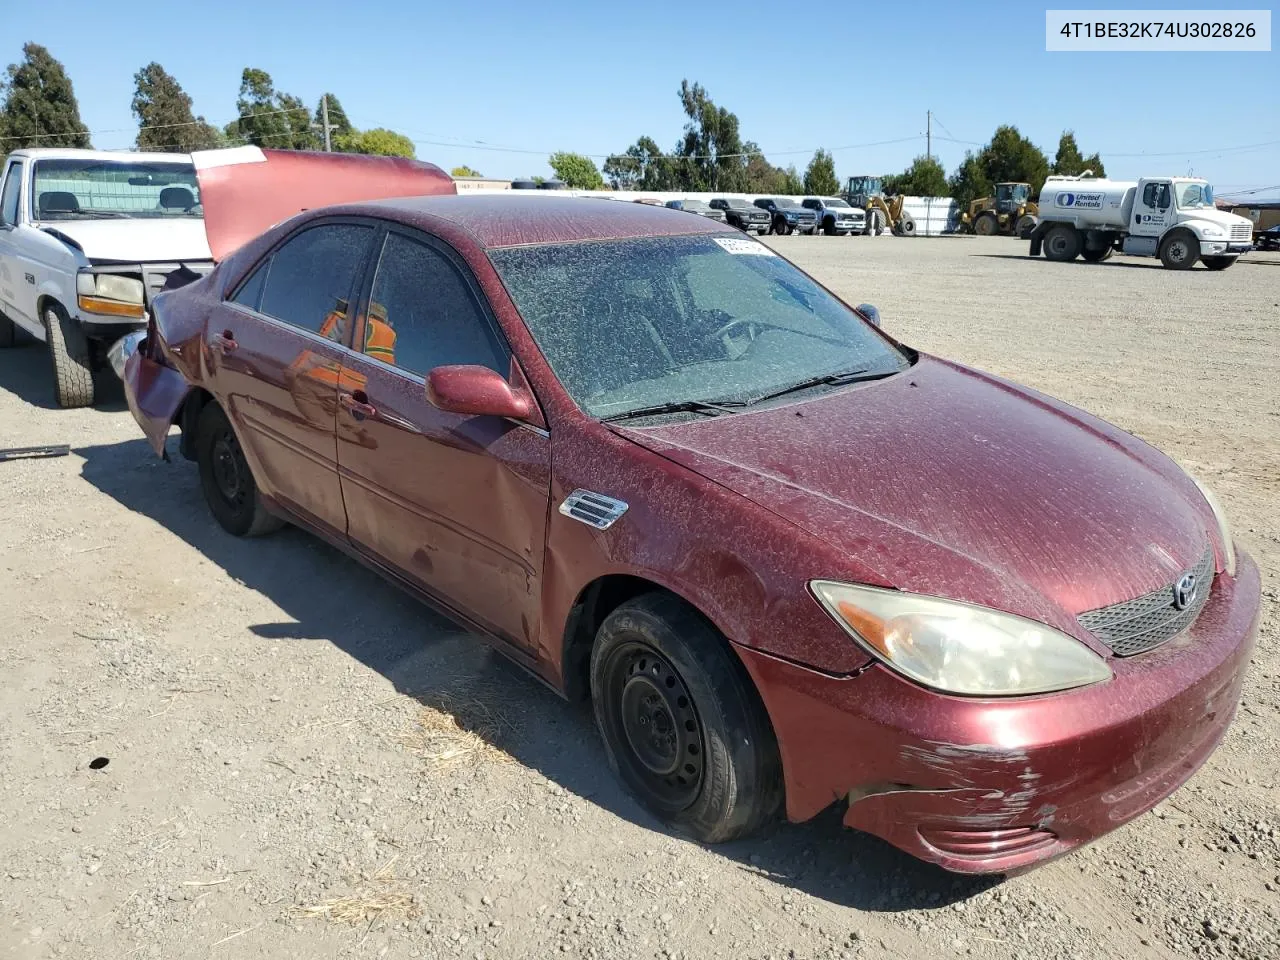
(1089, 201)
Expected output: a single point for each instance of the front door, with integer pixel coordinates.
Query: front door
(1152, 208)
(276, 349)
(455, 504)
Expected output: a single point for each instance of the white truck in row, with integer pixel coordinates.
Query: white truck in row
(1172, 218)
(86, 239)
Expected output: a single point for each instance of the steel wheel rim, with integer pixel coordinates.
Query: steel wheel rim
(1178, 251)
(663, 749)
(228, 468)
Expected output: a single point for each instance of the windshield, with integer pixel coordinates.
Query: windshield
(835, 203)
(628, 324)
(78, 189)
(739, 204)
(1194, 195)
(784, 202)
(694, 205)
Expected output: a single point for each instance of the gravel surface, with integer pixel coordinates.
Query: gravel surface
(303, 762)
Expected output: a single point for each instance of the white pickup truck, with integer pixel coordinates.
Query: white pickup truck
(86, 239)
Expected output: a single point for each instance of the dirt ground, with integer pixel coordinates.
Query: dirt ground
(303, 762)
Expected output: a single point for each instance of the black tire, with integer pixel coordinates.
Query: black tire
(1062, 243)
(1179, 250)
(8, 332)
(1095, 256)
(875, 224)
(227, 481)
(1217, 263)
(986, 225)
(682, 723)
(781, 228)
(69, 359)
(1026, 226)
(906, 227)
(829, 226)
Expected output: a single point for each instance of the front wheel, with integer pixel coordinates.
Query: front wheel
(69, 359)
(829, 227)
(1180, 250)
(1026, 226)
(225, 477)
(1217, 263)
(682, 723)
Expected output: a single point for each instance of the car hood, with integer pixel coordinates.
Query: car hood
(949, 482)
(140, 240)
(246, 190)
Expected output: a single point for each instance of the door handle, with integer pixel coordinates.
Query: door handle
(358, 403)
(225, 341)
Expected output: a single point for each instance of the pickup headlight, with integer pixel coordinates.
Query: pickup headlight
(112, 294)
(958, 647)
(1224, 529)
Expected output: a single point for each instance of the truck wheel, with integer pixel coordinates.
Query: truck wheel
(875, 224)
(829, 226)
(8, 332)
(907, 227)
(986, 225)
(682, 723)
(227, 481)
(1026, 226)
(1217, 263)
(68, 359)
(1180, 250)
(1095, 256)
(1062, 243)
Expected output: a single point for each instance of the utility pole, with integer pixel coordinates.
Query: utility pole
(928, 134)
(324, 120)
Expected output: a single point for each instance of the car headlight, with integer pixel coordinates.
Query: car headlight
(1224, 528)
(958, 647)
(1212, 231)
(110, 293)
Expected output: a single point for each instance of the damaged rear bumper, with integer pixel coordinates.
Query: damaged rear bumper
(154, 393)
(993, 786)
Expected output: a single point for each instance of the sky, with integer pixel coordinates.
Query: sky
(500, 85)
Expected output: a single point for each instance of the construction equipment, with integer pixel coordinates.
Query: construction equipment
(882, 213)
(1011, 212)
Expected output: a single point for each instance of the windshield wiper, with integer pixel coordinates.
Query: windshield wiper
(830, 379)
(711, 408)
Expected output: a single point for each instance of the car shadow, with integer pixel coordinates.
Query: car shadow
(443, 667)
(24, 371)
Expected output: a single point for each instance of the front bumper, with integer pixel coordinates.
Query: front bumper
(993, 786)
(1223, 248)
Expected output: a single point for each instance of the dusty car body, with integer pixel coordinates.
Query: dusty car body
(704, 553)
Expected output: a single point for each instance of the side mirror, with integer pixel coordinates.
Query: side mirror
(871, 314)
(475, 391)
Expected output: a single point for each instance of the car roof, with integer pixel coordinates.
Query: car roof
(108, 156)
(506, 219)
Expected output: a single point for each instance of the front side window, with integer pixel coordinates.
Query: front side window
(628, 324)
(309, 280)
(422, 315)
(79, 189)
(9, 200)
(1156, 195)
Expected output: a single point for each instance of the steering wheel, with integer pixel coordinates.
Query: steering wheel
(724, 329)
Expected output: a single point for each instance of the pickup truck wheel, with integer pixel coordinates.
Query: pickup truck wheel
(1217, 263)
(682, 723)
(1095, 256)
(1180, 250)
(227, 481)
(69, 359)
(1062, 243)
(829, 226)
(8, 332)
(986, 225)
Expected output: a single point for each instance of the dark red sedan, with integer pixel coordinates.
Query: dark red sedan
(792, 561)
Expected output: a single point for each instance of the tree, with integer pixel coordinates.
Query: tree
(272, 119)
(924, 178)
(643, 167)
(378, 141)
(711, 144)
(576, 171)
(1069, 163)
(1011, 157)
(820, 175)
(163, 109)
(40, 108)
(338, 121)
(969, 182)
(465, 171)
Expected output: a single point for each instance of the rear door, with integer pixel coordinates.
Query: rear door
(455, 504)
(276, 350)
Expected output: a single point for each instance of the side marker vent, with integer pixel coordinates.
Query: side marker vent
(593, 509)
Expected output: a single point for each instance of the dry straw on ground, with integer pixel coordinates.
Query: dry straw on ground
(460, 730)
(377, 897)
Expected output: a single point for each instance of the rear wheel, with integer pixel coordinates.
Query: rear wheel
(1026, 226)
(986, 225)
(69, 359)
(1096, 256)
(1217, 263)
(1062, 243)
(227, 481)
(1180, 250)
(683, 725)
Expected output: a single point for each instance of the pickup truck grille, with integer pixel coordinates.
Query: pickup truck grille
(1241, 231)
(1138, 625)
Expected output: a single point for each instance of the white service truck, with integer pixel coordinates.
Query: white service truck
(86, 239)
(1172, 218)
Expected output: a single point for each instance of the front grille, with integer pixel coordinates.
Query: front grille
(1135, 626)
(1241, 231)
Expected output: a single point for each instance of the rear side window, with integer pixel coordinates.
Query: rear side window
(310, 278)
(9, 201)
(422, 314)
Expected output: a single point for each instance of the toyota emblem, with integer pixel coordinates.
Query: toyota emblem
(1184, 592)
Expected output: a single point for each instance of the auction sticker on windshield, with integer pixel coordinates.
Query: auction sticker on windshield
(735, 245)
